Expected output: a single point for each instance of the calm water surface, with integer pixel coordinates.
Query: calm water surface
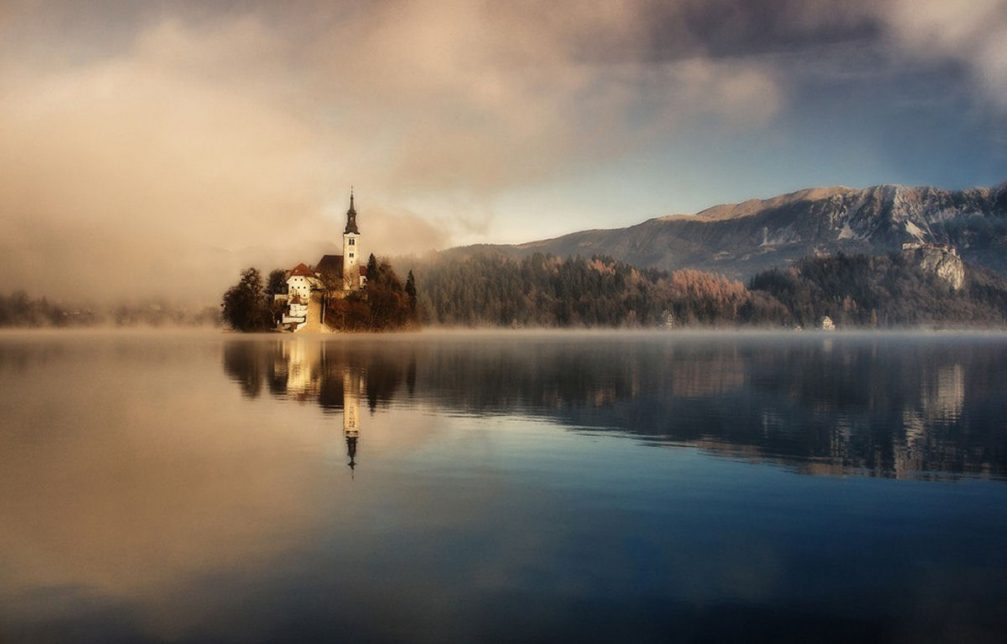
(502, 487)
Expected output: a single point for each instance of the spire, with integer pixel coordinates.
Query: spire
(351, 217)
(351, 451)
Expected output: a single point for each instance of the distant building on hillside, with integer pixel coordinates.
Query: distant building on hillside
(334, 276)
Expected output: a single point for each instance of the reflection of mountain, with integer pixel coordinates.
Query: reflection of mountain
(943, 396)
(883, 406)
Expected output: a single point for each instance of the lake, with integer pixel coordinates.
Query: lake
(503, 487)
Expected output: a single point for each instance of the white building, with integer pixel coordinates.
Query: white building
(301, 284)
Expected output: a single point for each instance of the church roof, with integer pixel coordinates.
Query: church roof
(302, 271)
(331, 265)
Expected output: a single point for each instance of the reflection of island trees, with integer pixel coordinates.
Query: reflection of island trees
(884, 407)
(242, 361)
(306, 370)
(335, 378)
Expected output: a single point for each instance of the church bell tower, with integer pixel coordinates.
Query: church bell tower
(351, 250)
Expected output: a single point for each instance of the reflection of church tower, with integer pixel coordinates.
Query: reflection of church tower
(351, 249)
(351, 413)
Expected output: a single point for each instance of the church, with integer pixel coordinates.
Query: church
(334, 276)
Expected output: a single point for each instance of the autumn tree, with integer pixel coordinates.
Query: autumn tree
(382, 305)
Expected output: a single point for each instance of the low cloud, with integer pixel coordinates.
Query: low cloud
(970, 32)
(156, 149)
(193, 146)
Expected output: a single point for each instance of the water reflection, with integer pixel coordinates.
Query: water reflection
(308, 370)
(500, 488)
(125, 476)
(880, 406)
(351, 413)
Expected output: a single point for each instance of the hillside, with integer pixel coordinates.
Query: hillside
(893, 290)
(739, 240)
(923, 287)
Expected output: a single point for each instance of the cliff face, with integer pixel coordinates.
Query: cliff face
(742, 239)
(942, 261)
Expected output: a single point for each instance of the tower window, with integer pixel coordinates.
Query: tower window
(352, 241)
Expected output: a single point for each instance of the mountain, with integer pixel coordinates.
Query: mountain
(739, 240)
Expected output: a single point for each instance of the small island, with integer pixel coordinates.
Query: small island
(338, 293)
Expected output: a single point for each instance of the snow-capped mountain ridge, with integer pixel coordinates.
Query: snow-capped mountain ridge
(741, 239)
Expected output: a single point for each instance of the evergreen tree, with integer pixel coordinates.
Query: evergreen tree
(411, 291)
(494, 290)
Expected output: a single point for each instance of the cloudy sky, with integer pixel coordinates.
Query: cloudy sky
(157, 147)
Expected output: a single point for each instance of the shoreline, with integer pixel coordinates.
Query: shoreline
(501, 332)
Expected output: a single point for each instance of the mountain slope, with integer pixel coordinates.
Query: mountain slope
(739, 240)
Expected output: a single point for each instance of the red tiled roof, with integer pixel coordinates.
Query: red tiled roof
(302, 271)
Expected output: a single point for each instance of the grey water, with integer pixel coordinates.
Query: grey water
(503, 487)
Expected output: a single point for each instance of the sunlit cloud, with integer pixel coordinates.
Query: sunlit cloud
(159, 148)
(971, 32)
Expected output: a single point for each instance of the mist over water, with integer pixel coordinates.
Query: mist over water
(502, 487)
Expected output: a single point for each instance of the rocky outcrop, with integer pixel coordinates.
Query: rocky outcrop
(940, 260)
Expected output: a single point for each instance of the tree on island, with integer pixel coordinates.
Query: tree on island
(384, 304)
(246, 305)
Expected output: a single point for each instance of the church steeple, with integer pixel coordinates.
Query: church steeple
(351, 250)
(351, 217)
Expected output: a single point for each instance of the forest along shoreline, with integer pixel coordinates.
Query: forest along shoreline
(898, 290)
